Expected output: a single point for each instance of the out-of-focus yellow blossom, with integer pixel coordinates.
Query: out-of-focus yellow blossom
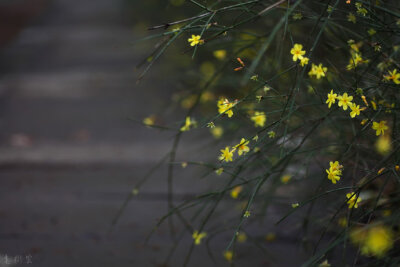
(351, 18)
(270, 237)
(149, 120)
(225, 107)
(297, 52)
(226, 154)
(188, 123)
(241, 237)
(345, 101)
(295, 205)
(184, 164)
(254, 78)
(217, 132)
(271, 134)
(374, 241)
(334, 172)
(220, 54)
(361, 10)
(266, 89)
(381, 170)
(210, 125)
(236, 191)
(353, 200)
(259, 119)
(304, 61)
(383, 144)
(394, 76)
(364, 121)
(194, 40)
(206, 97)
(386, 213)
(207, 68)
(256, 149)
(286, 178)
(228, 255)
(197, 237)
(371, 31)
(242, 147)
(255, 138)
(342, 222)
(379, 240)
(355, 110)
(317, 71)
(297, 16)
(247, 214)
(373, 104)
(331, 99)
(380, 127)
(325, 263)
(219, 171)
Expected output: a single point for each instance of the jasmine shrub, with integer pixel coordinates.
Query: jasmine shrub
(301, 99)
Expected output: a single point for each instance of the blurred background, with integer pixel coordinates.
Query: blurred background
(71, 149)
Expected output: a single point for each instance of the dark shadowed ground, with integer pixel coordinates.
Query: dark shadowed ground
(69, 155)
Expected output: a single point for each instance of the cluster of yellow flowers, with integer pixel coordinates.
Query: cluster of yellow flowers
(334, 172)
(344, 101)
(227, 153)
(298, 54)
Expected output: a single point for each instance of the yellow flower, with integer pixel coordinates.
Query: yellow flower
(352, 200)
(194, 40)
(225, 107)
(271, 134)
(247, 214)
(220, 54)
(198, 237)
(226, 154)
(270, 237)
(286, 178)
(393, 75)
(334, 172)
(355, 110)
(324, 264)
(304, 61)
(242, 237)
(217, 132)
(378, 241)
(149, 120)
(219, 171)
(188, 122)
(345, 101)
(384, 144)
(317, 71)
(380, 127)
(228, 255)
(351, 18)
(331, 99)
(297, 52)
(259, 119)
(236, 191)
(242, 147)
